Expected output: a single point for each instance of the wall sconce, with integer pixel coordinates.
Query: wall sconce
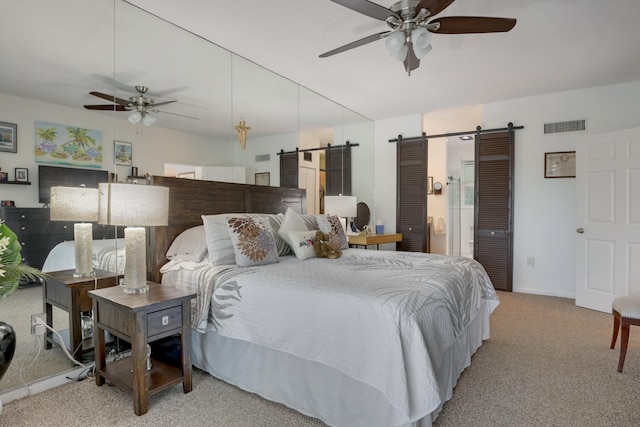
(77, 204)
(134, 206)
(242, 130)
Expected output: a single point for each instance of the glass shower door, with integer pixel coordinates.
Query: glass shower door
(453, 184)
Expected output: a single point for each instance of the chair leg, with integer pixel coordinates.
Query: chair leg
(624, 340)
(616, 328)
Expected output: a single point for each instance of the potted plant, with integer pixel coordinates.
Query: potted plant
(11, 271)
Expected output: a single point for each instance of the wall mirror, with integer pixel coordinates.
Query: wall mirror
(110, 46)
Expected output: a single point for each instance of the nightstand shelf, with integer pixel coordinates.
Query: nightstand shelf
(161, 375)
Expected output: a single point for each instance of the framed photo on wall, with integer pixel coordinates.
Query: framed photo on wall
(560, 164)
(22, 175)
(123, 153)
(8, 137)
(263, 178)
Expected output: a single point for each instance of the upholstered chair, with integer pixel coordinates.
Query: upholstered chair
(626, 312)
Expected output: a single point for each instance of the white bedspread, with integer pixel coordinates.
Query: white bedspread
(384, 318)
(105, 256)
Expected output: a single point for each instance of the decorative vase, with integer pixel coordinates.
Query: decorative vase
(7, 346)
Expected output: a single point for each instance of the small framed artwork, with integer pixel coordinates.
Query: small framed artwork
(560, 164)
(263, 178)
(22, 175)
(4, 177)
(123, 153)
(429, 185)
(8, 137)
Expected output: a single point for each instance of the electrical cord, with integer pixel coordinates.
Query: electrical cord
(64, 348)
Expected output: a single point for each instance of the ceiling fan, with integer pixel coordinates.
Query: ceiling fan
(410, 25)
(140, 106)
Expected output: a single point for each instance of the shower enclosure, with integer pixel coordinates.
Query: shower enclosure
(460, 203)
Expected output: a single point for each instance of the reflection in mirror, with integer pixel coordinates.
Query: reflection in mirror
(213, 90)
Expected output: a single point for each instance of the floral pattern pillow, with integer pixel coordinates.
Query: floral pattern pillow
(302, 243)
(253, 241)
(332, 225)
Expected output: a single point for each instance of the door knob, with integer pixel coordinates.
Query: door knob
(580, 230)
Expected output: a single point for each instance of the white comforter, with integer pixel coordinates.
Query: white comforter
(383, 318)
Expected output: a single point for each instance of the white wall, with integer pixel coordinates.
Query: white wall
(544, 223)
(152, 146)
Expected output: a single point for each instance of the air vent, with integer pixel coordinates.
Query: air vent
(570, 126)
(263, 157)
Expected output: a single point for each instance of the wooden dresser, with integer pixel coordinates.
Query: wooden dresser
(38, 234)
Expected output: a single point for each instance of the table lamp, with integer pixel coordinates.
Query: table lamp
(136, 206)
(77, 204)
(343, 207)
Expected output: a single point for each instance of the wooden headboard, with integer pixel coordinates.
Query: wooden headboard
(189, 199)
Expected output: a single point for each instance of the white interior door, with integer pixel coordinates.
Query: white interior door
(608, 218)
(307, 179)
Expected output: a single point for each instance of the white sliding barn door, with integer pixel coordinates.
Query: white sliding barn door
(607, 218)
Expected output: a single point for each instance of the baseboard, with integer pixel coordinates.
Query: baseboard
(42, 385)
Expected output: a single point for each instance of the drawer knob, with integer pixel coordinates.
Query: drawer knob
(23, 228)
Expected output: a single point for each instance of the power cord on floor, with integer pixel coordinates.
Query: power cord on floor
(39, 321)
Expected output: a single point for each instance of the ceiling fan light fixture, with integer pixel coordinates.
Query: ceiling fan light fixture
(148, 119)
(135, 117)
(421, 39)
(395, 42)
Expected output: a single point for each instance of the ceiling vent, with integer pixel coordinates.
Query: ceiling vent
(561, 127)
(263, 157)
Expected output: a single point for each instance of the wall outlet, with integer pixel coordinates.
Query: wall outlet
(531, 261)
(37, 324)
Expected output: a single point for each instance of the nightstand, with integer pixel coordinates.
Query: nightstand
(60, 289)
(140, 319)
(373, 239)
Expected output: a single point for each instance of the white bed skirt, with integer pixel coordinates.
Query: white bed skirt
(322, 392)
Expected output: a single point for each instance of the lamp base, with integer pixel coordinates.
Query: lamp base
(140, 290)
(83, 275)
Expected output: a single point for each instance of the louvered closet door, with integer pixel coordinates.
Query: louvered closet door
(411, 215)
(338, 171)
(289, 170)
(493, 240)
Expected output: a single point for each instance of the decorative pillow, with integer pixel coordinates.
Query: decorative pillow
(253, 241)
(291, 222)
(190, 245)
(219, 242)
(302, 243)
(332, 225)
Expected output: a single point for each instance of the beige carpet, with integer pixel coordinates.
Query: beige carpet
(548, 363)
(31, 362)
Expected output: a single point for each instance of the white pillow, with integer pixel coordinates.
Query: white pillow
(332, 225)
(190, 245)
(291, 222)
(253, 241)
(302, 243)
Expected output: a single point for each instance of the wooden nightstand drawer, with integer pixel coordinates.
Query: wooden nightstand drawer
(164, 321)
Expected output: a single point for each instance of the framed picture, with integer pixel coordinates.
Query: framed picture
(4, 177)
(429, 185)
(123, 153)
(22, 175)
(8, 137)
(560, 164)
(263, 178)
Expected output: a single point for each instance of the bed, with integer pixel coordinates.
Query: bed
(108, 255)
(373, 338)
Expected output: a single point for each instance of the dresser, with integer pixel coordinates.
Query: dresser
(38, 234)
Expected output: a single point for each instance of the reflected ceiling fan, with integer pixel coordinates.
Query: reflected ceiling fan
(139, 105)
(410, 24)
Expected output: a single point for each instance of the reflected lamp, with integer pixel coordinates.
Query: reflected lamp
(77, 204)
(136, 207)
(342, 207)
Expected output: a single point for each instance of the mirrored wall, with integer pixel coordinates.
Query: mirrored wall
(110, 46)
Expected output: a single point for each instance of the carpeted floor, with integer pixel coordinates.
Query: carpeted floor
(547, 363)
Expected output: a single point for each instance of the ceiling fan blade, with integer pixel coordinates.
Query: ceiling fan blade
(163, 103)
(434, 6)
(114, 107)
(175, 114)
(470, 25)
(111, 98)
(357, 43)
(372, 10)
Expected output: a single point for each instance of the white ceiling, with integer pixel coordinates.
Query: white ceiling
(53, 51)
(556, 45)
